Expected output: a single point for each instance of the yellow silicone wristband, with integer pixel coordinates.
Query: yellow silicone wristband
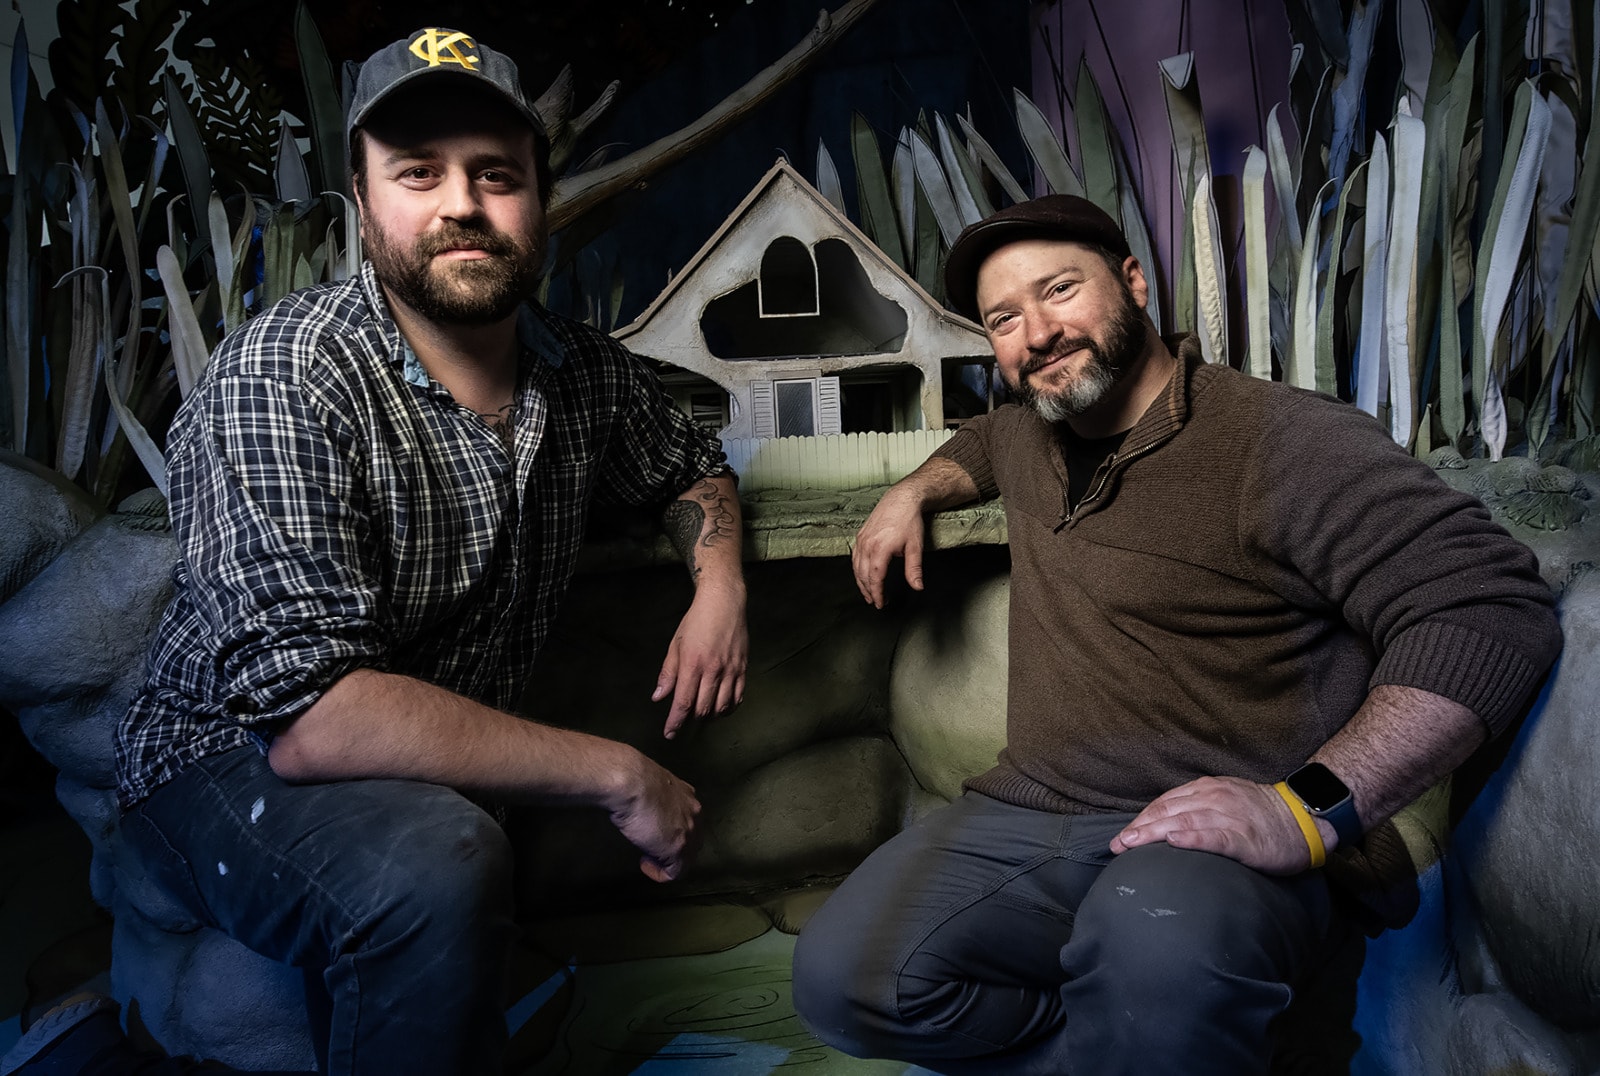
(1308, 825)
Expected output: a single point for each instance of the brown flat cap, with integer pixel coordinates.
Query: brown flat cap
(1055, 216)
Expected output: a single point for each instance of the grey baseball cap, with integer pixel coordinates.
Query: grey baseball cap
(1055, 216)
(435, 52)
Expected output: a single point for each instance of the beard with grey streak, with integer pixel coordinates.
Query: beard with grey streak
(1108, 363)
(473, 292)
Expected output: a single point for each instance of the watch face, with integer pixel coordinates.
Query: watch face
(1317, 787)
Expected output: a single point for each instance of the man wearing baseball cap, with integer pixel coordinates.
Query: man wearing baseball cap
(1245, 629)
(379, 489)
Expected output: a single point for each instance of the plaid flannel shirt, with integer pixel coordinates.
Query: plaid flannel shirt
(336, 509)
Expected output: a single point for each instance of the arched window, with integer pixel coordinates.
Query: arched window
(787, 286)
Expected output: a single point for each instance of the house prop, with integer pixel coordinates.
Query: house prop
(790, 322)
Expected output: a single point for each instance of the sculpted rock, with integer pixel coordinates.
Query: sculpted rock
(948, 687)
(75, 638)
(1529, 849)
(36, 522)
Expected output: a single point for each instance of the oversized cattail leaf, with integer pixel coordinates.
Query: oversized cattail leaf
(191, 148)
(1349, 90)
(936, 188)
(1256, 265)
(991, 161)
(1372, 369)
(289, 173)
(143, 446)
(1326, 23)
(1419, 40)
(122, 213)
(1283, 181)
(1210, 305)
(1558, 180)
(1327, 371)
(1316, 136)
(1454, 243)
(1097, 144)
(159, 147)
(81, 380)
(1186, 119)
(965, 183)
(1400, 304)
(222, 251)
(1504, 231)
(828, 184)
(1045, 148)
(352, 239)
(1133, 226)
(878, 217)
(189, 350)
(903, 176)
(1582, 235)
(1301, 370)
(328, 148)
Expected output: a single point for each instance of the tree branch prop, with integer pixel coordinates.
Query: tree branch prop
(574, 196)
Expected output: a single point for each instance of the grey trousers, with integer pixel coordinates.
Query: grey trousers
(991, 938)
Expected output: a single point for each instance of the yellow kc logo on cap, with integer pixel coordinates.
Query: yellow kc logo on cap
(436, 47)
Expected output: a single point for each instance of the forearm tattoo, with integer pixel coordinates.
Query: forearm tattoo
(702, 517)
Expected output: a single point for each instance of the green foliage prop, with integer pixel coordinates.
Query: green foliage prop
(1435, 264)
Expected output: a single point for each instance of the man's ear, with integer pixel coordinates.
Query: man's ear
(1133, 276)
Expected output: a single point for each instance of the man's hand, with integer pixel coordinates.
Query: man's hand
(705, 666)
(894, 529)
(657, 814)
(1231, 817)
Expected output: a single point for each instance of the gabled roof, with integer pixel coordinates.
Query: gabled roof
(782, 182)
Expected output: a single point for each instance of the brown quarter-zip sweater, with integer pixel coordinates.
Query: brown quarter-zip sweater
(1239, 574)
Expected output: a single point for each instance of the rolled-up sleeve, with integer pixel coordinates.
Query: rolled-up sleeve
(277, 548)
(656, 452)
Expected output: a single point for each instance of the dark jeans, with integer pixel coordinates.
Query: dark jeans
(395, 894)
(991, 938)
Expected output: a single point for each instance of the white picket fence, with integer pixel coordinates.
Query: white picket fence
(840, 461)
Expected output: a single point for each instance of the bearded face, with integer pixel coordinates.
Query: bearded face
(1071, 393)
(451, 289)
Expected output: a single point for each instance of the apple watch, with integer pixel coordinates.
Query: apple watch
(1326, 797)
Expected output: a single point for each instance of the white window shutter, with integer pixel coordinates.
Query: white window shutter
(763, 420)
(828, 421)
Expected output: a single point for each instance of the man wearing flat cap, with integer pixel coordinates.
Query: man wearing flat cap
(379, 489)
(1245, 629)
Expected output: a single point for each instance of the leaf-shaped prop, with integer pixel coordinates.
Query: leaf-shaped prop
(1302, 369)
(145, 448)
(991, 161)
(1447, 161)
(1347, 94)
(933, 184)
(1400, 305)
(965, 183)
(1507, 225)
(1256, 265)
(1097, 144)
(1209, 288)
(878, 216)
(328, 146)
(1372, 368)
(828, 184)
(189, 351)
(1045, 148)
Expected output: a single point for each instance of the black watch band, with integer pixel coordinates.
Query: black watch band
(1326, 797)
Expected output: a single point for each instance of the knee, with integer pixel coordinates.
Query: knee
(449, 875)
(1173, 923)
(832, 985)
